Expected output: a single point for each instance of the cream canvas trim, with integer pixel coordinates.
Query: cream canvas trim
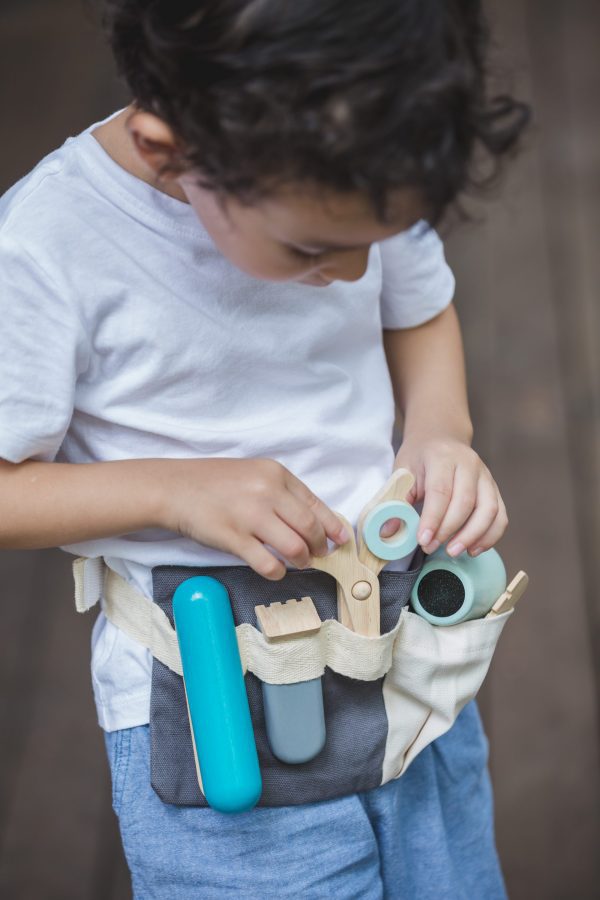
(126, 608)
(89, 581)
(283, 662)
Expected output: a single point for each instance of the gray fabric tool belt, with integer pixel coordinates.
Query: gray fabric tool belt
(356, 720)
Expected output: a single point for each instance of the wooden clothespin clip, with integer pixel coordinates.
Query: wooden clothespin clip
(513, 593)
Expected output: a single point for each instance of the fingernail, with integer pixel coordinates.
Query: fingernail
(343, 536)
(425, 537)
(432, 547)
(477, 551)
(455, 549)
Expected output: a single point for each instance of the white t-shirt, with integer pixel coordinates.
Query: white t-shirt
(124, 333)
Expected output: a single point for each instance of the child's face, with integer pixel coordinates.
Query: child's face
(296, 234)
(313, 236)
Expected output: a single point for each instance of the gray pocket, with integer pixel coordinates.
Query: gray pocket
(352, 759)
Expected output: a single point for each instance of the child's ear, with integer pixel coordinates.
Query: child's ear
(156, 144)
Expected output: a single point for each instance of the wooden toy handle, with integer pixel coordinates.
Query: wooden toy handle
(396, 487)
(358, 587)
(355, 568)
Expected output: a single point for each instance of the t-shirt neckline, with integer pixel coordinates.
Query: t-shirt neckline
(161, 209)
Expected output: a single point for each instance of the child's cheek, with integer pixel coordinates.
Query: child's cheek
(238, 235)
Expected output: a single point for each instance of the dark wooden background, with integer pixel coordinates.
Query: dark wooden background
(528, 285)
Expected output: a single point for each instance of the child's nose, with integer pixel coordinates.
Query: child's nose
(347, 265)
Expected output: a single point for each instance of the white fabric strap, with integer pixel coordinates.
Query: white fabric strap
(126, 608)
(281, 662)
(141, 619)
(89, 581)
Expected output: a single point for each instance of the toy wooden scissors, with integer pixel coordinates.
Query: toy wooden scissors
(294, 713)
(357, 563)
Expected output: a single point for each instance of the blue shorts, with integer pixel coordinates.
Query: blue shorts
(427, 836)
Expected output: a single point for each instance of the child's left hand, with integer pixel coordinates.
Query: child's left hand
(461, 499)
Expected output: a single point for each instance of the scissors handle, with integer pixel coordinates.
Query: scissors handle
(397, 487)
(356, 569)
(397, 545)
(358, 586)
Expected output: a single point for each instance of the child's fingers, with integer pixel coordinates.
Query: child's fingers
(485, 526)
(303, 521)
(413, 495)
(491, 536)
(252, 551)
(334, 528)
(462, 503)
(438, 493)
(389, 528)
(278, 535)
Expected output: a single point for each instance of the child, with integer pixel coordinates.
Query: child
(209, 302)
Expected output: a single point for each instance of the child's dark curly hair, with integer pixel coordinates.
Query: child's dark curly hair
(370, 96)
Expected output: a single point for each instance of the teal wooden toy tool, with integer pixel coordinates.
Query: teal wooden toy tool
(400, 544)
(222, 733)
(450, 590)
(453, 589)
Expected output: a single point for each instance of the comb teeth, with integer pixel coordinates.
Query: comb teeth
(294, 618)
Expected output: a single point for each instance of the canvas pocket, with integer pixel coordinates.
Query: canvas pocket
(435, 671)
(430, 673)
(356, 721)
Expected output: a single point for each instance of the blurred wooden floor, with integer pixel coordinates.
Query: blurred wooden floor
(528, 294)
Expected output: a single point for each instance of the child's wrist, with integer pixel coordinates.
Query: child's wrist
(166, 477)
(444, 426)
(174, 481)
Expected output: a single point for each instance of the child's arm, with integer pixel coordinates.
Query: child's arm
(428, 373)
(235, 505)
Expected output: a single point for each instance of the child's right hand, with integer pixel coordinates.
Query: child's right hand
(245, 507)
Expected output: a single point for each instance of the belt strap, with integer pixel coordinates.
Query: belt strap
(128, 609)
(284, 662)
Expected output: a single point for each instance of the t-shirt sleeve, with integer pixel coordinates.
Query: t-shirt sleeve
(417, 282)
(43, 348)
